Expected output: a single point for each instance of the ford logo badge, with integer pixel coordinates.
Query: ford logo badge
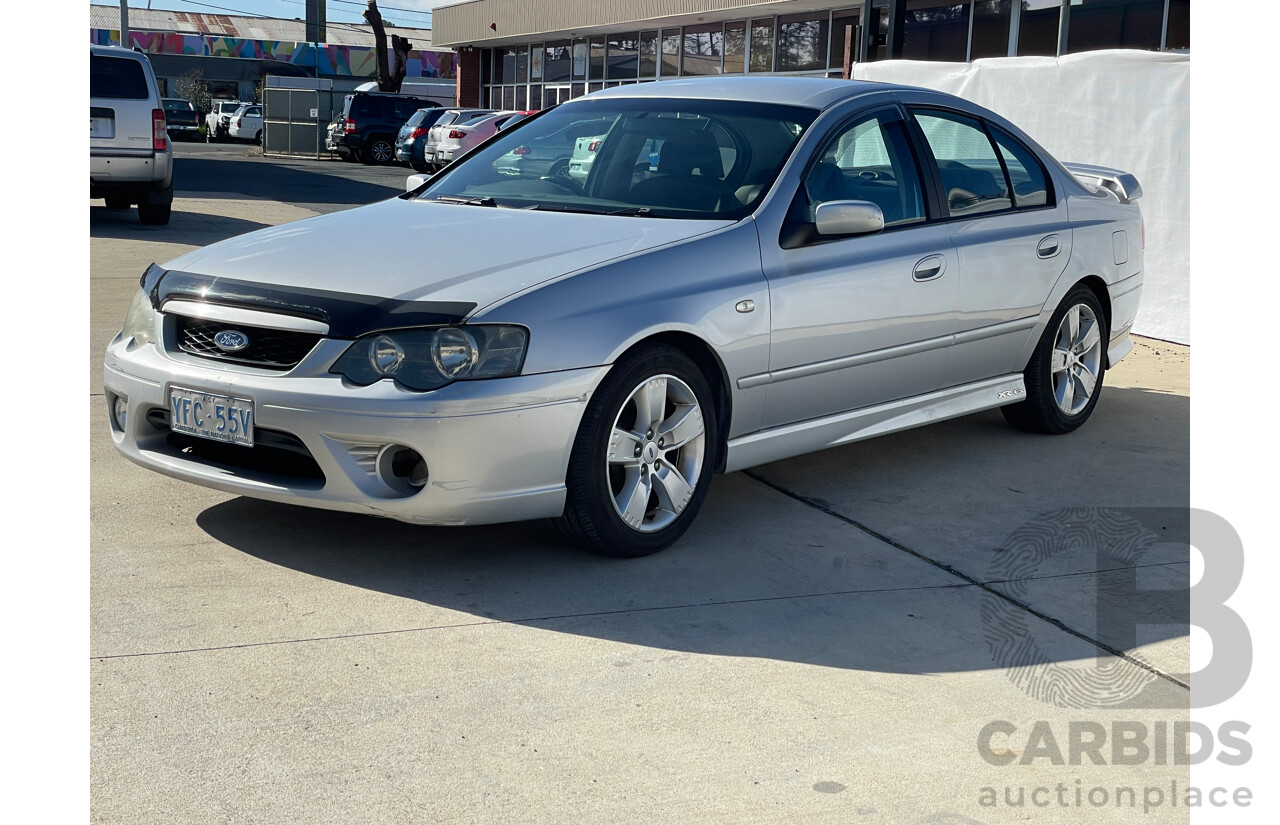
(231, 340)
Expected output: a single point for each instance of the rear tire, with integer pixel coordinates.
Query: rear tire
(378, 151)
(1064, 376)
(643, 457)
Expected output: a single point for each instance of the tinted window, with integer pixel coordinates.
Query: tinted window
(1025, 172)
(972, 176)
(870, 160)
(120, 78)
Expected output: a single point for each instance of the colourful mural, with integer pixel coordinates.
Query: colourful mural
(327, 60)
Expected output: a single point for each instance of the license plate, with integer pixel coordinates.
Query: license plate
(102, 127)
(207, 415)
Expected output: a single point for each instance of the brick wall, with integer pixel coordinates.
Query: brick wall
(468, 64)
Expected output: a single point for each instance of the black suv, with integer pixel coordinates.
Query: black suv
(370, 121)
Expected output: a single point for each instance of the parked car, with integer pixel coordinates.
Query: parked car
(130, 155)
(246, 123)
(810, 262)
(550, 155)
(181, 118)
(411, 140)
(448, 119)
(370, 123)
(217, 123)
(462, 138)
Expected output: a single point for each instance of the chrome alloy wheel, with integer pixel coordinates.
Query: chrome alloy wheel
(1077, 358)
(381, 151)
(656, 454)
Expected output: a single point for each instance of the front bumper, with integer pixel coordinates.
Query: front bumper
(496, 450)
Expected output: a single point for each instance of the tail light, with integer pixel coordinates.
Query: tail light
(351, 125)
(239, 123)
(520, 150)
(159, 133)
(417, 133)
(595, 144)
(456, 134)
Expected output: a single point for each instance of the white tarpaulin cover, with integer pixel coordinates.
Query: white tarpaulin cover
(1129, 110)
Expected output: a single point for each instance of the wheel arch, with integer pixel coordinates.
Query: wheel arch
(708, 362)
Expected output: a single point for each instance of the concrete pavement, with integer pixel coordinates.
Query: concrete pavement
(817, 649)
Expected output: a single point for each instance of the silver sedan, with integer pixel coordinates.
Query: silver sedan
(754, 268)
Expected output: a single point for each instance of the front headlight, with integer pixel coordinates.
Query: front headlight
(140, 323)
(427, 359)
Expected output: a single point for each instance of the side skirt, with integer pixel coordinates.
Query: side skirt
(818, 434)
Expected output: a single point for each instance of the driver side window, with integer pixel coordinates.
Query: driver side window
(869, 160)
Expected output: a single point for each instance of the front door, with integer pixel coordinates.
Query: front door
(857, 321)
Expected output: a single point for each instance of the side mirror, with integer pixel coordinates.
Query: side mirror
(848, 218)
(414, 181)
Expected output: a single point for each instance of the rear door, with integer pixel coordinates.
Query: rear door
(121, 104)
(1012, 237)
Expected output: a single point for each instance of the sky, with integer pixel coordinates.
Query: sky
(411, 13)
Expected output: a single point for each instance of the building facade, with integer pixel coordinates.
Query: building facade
(234, 52)
(530, 54)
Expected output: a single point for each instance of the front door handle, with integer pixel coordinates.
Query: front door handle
(1048, 246)
(929, 268)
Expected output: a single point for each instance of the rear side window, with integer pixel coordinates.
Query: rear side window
(1025, 172)
(972, 175)
(118, 78)
(368, 107)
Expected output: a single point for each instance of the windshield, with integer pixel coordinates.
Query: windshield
(704, 159)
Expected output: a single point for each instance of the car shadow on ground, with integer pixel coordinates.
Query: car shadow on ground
(315, 183)
(193, 228)
(759, 574)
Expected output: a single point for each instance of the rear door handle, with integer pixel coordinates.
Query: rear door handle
(929, 268)
(1048, 247)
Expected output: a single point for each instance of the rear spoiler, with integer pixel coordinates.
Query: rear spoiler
(1121, 184)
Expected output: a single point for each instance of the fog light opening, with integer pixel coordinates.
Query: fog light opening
(119, 411)
(402, 468)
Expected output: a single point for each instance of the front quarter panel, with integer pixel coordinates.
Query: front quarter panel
(693, 287)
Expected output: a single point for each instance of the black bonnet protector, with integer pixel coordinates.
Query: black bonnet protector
(349, 315)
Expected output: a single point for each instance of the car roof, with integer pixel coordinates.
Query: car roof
(117, 51)
(810, 92)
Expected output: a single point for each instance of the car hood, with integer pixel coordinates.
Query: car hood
(416, 250)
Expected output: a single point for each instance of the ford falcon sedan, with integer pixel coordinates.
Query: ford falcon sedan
(752, 269)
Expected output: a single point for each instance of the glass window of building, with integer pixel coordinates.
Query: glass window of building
(535, 97)
(735, 47)
(558, 62)
(648, 54)
(703, 48)
(990, 29)
(670, 52)
(1114, 24)
(936, 30)
(844, 29)
(1038, 28)
(597, 57)
(1178, 35)
(507, 71)
(522, 64)
(621, 61)
(579, 59)
(537, 55)
(762, 45)
(802, 42)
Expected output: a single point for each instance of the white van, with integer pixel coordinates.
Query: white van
(130, 157)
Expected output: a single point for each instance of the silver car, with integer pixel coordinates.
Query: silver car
(754, 268)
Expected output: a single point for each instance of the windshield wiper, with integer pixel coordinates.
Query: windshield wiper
(485, 201)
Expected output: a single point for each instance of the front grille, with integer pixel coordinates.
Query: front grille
(273, 349)
(273, 454)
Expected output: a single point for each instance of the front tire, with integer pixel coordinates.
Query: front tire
(1064, 376)
(644, 455)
